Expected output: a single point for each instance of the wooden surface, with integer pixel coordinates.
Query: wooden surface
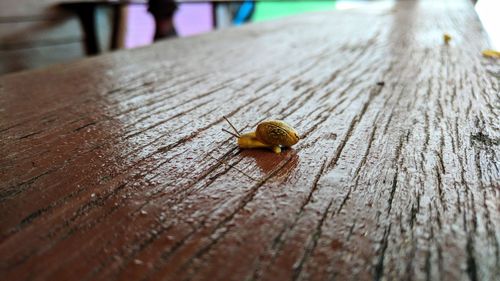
(115, 167)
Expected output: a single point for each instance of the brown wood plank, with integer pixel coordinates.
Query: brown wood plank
(22, 35)
(36, 57)
(29, 44)
(115, 167)
(29, 9)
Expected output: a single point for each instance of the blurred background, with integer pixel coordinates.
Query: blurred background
(37, 33)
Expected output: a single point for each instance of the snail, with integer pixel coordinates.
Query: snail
(272, 134)
(446, 38)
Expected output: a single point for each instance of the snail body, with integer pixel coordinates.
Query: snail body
(272, 134)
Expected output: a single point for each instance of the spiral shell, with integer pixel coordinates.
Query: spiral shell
(276, 132)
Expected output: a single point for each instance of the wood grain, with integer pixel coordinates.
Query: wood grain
(115, 167)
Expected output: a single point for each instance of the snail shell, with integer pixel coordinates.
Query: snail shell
(276, 132)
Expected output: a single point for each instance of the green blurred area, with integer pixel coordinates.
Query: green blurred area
(273, 10)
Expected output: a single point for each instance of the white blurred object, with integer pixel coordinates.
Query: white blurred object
(223, 16)
(345, 5)
(489, 14)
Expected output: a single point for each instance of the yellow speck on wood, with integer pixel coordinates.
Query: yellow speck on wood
(446, 38)
(491, 54)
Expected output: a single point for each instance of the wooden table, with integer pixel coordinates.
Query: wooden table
(116, 168)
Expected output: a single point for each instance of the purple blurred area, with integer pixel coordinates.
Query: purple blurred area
(190, 19)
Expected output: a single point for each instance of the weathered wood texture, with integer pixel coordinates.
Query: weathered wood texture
(115, 167)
